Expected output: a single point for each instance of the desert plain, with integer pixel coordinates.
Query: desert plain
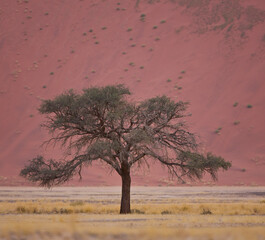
(157, 213)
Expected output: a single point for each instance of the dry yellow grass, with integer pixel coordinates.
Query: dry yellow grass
(69, 207)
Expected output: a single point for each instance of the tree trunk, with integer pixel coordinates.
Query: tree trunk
(126, 188)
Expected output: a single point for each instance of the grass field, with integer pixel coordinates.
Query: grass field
(158, 213)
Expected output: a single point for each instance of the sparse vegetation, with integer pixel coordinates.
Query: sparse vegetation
(104, 28)
(235, 104)
(44, 86)
(93, 71)
(97, 42)
(236, 122)
(131, 63)
(163, 21)
(155, 27)
(249, 106)
(90, 30)
(169, 80)
(157, 39)
(178, 30)
(126, 70)
(141, 67)
(206, 211)
(123, 53)
(80, 206)
(133, 45)
(143, 45)
(51, 73)
(129, 29)
(183, 72)
(180, 77)
(217, 131)
(142, 17)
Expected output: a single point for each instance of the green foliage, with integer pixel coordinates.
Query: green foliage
(235, 104)
(217, 131)
(142, 17)
(197, 164)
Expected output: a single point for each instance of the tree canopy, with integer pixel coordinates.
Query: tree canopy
(101, 124)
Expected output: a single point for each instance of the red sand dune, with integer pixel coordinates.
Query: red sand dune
(47, 47)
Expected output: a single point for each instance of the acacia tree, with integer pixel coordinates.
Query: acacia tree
(101, 125)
